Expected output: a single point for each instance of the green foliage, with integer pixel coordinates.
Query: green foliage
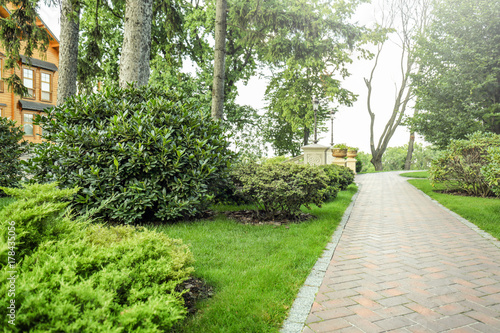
(365, 158)
(341, 146)
(491, 171)
(359, 165)
(110, 280)
(339, 175)
(458, 85)
(39, 215)
(281, 188)
(460, 165)
(148, 152)
(394, 157)
(11, 149)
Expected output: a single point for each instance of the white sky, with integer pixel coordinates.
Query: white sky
(351, 124)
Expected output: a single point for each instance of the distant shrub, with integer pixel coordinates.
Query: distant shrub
(491, 171)
(151, 155)
(39, 216)
(11, 148)
(359, 166)
(281, 188)
(459, 166)
(340, 175)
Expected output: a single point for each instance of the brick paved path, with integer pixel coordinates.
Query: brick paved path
(404, 264)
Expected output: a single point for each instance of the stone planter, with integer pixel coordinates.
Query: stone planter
(337, 152)
(352, 153)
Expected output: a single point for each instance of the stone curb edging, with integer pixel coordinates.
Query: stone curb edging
(302, 305)
(466, 222)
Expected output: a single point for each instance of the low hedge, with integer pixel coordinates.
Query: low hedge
(340, 175)
(281, 188)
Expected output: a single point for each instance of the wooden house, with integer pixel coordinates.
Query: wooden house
(40, 78)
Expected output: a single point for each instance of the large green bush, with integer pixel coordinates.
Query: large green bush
(491, 171)
(281, 188)
(88, 278)
(459, 166)
(11, 148)
(152, 156)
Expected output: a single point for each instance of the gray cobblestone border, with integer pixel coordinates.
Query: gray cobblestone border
(302, 305)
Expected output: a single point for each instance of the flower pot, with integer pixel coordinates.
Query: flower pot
(338, 152)
(352, 153)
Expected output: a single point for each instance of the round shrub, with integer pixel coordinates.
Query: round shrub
(12, 147)
(340, 175)
(117, 279)
(459, 167)
(281, 188)
(151, 156)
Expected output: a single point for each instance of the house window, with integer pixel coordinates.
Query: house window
(29, 82)
(1, 75)
(46, 94)
(28, 124)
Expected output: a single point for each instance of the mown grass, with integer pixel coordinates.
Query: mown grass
(416, 174)
(483, 212)
(256, 270)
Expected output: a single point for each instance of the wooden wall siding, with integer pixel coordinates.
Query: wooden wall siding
(12, 109)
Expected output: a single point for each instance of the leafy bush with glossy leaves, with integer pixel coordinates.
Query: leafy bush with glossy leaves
(491, 171)
(281, 188)
(151, 155)
(83, 277)
(338, 174)
(459, 167)
(11, 148)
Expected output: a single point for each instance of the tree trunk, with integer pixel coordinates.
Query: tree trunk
(410, 151)
(377, 162)
(134, 60)
(219, 60)
(68, 50)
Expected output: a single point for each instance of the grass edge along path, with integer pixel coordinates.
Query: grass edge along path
(257, 270)
(483, 212)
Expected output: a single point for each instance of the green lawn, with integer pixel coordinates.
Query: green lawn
(483, 212)
(256, 270)
(416, 174)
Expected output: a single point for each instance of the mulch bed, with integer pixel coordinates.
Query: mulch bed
(251, 217)
(196, 290)
(461, 193)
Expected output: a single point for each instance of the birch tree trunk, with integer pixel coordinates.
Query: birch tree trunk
(219, 60)
(136, 49)
(68, 49)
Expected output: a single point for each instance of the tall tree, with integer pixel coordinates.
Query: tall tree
(219, 59)
(407, 18)
(458, 88)
(136, 49)
(68, 50)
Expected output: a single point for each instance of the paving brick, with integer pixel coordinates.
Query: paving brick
(405, 264)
